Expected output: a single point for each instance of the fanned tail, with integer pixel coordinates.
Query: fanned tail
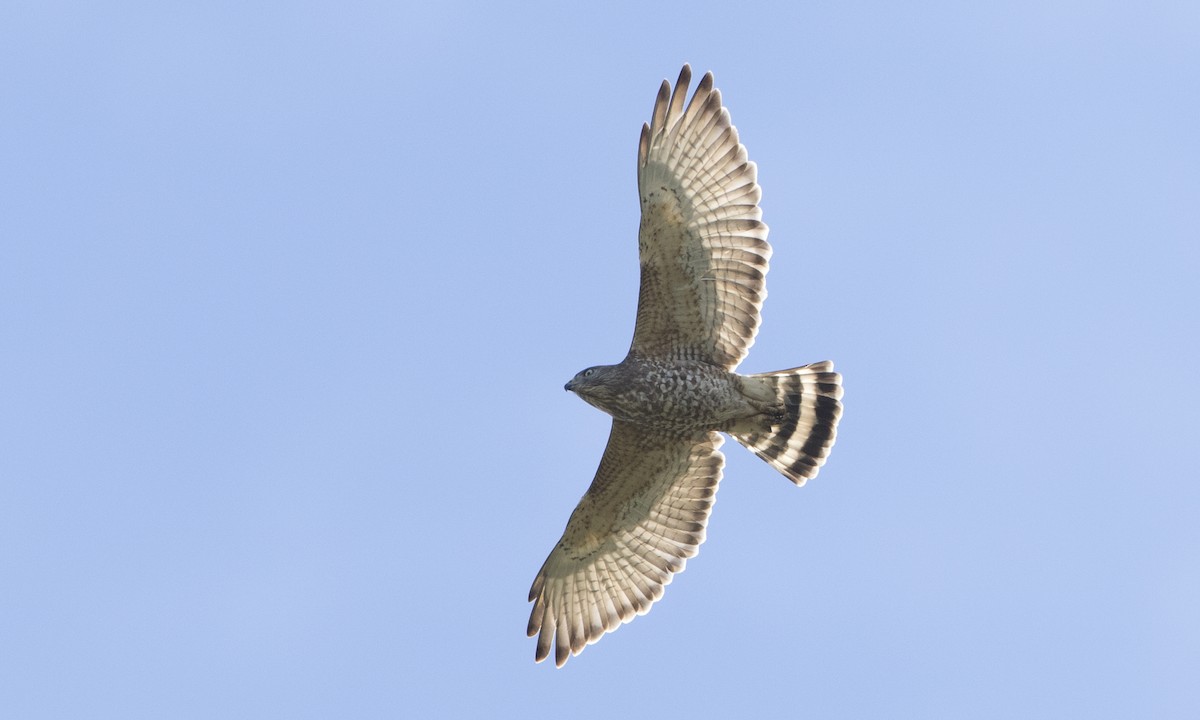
(797, 439)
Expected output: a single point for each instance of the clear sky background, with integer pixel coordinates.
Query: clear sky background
(289, 291)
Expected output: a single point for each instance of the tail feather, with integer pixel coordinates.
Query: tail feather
(797, 437)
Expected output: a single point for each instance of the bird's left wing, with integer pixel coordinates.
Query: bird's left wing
(702, 243)
(643, 516)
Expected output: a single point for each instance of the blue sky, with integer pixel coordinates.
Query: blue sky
(288, 294)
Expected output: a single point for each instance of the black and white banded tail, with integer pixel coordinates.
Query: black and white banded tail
(797, 441)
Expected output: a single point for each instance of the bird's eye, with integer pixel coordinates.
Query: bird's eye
(589, 372)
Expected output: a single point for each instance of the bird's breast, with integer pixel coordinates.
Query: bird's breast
(678, 396)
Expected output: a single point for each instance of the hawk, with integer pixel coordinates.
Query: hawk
(703, 251)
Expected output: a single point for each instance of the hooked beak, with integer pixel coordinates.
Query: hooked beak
(569, 386)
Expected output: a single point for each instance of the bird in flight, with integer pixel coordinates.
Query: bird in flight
(703, 251)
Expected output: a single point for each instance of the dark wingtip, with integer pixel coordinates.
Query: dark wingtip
(685, 76)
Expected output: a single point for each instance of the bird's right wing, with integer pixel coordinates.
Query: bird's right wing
(643, 516)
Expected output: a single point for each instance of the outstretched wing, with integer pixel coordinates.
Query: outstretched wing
(643, 516)
(702, 243)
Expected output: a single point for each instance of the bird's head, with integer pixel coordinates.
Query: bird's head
(594, 383)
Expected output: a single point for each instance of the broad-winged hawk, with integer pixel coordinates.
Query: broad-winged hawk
(704, 252)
